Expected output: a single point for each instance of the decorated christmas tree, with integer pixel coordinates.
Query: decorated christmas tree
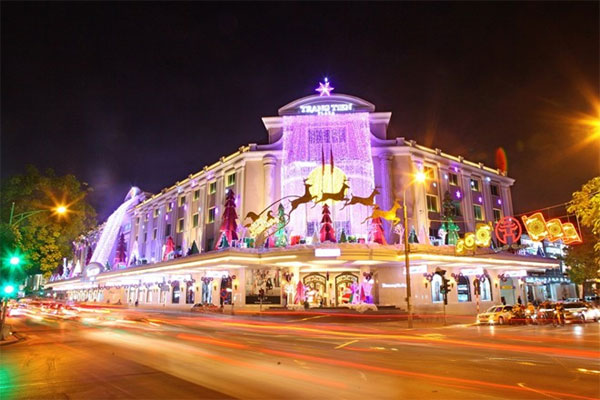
(121, 253)
(194, 249)
(376, 232)
(280, 236)
(327, 232)
(449, 212)
(229, 225)
(343, 238)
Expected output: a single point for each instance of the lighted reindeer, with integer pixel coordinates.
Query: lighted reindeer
(338, 196)
(389, 215)
(253, 217)
(307, 197)
(365, 201)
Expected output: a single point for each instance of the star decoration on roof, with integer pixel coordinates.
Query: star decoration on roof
(324, 89)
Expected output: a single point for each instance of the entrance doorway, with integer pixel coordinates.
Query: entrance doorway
(316, 288)
(343, 287)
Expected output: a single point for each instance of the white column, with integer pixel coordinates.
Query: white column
(269, 163)
(387, 191)
(467, 209)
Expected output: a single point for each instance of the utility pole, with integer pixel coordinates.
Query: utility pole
(407, 263)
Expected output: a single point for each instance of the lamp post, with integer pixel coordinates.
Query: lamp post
(60, 210)
(420, 177)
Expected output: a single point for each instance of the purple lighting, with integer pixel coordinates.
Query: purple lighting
(458, 195)
(499, 201)
(480, 199)
(324, 89)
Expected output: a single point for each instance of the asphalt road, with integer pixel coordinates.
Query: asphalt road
(109, 354)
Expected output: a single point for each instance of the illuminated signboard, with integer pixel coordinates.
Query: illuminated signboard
(328, 252)
(326, 109)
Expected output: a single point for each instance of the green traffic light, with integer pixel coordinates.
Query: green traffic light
(9, 289)
(15, 260)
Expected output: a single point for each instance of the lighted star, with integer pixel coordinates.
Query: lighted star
(324, 89)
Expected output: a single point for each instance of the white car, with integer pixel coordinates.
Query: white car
(495, 315)
(580, 312)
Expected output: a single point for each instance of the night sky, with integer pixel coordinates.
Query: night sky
(145, 93)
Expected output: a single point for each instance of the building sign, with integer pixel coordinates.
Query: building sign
(471, 271)
(336, 252)
(325, 109)
(393, 285)
(515, 274)
(418, 269)
(544, 280)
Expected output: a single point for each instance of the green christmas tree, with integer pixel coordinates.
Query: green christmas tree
(449, 212)
(412, 237)
(194, 249)
(343, 238)
(280, 236)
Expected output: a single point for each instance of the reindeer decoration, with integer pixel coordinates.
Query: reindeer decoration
(253, 217)
(389, 215)
(307, 197)
(365, 201)
(338, 196)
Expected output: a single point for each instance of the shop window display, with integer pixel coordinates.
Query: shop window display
(269, 280)
(436, 285)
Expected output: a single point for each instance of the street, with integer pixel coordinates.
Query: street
(112, 353)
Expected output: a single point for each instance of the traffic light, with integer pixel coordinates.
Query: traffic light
(445, 288)
(8, 290)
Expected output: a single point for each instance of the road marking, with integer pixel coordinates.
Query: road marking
(345, 344)
(307, 318)
(525, 363)
(537, 391)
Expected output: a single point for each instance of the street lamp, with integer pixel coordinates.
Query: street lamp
(420, 177)
(59, 209)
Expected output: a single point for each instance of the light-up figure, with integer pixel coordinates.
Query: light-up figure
(324, 89)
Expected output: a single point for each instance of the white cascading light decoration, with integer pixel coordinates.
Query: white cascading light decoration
(110, 233)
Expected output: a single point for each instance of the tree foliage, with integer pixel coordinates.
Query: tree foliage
(584, 259)
(45, 237)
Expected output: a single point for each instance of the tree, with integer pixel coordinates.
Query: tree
(327, 232)
(46, 238)
(450, 210)
(582, 262)
(586, 206)
(229, 224)
(193, 249)
(280, 236)
(121, 252)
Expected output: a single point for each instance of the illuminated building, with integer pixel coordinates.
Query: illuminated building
(331, 144)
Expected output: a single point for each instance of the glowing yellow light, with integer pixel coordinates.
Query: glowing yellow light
(420, 177)
(61, 209)
(571, 235)
(470, 241)
(483, 234)
(460, 247)
(536, 226)
(324, 180)
(555, 230)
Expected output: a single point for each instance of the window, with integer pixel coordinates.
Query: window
(211, 215)
(497, 214)
(196, 194)
(475, 185)
(432, 203)
(231, 179)
(494, 189)
(180, 225)
(212, 188)
(169, 206)
(486, 289)
(156, 212)
(478, 212)
(168, 230)
(429, 172)
(154, 234)
(463, 289)
(137, 221)
(145, 236)
(209, 244)
(453, 179)
(181, 201)
(195, 220)
(146, 217)
(436, 286)
(176, 293)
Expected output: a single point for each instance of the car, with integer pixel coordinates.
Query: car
(579, 312)
(592, 313)
(495, 315)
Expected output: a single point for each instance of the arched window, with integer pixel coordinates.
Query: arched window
(176, 293)
(436, 285)
(463, 289)
(486, 289)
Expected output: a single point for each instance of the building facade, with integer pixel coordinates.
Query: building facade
(167, 249)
